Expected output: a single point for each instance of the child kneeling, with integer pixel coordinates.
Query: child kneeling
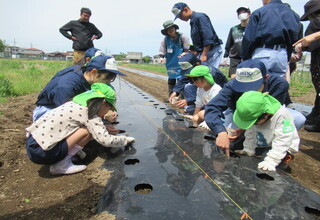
(207, 90)
(269, 125)
(60, 133)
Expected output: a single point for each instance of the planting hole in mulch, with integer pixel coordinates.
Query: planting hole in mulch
(265, 176)
(131, 161)
(143, 188)
(312, 211)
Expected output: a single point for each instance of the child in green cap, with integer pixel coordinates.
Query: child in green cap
(207, 89)
(267, 124)
(60, 133)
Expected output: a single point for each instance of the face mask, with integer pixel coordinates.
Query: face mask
(243, 16)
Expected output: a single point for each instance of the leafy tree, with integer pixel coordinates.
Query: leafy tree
(146, 59)
(121, 56)
(2, 46)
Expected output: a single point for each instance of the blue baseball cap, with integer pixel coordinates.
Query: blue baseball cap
(187, 62)
(178, 8)
(249, 75)
(91, 52)
(103, 62)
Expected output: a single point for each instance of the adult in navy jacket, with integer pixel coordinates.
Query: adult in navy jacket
(269, 35)
(72, 81)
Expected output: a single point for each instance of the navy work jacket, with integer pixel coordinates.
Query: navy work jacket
(66, 84)
(272, 24)
(227, 98)
(202, 31)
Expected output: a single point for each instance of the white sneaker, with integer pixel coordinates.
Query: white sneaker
(204, 125)
(246, 151)
(66, 167)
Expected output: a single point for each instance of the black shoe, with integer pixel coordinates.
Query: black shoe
(312, 127)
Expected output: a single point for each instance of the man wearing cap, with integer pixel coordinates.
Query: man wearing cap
(205, 40)
(312, 13)
(185, 85)
(269, 35)
(267, 124)
(82, 34)
(251, 75)
(172, 46)
(65, 86)
(234, 41)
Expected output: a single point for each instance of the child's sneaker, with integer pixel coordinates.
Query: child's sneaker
(285, 161)
(66, 167)
(246, 151)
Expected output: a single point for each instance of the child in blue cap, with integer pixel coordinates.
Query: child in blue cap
(60, 133)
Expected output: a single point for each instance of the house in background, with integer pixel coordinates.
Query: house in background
(11, 52)
(31, 53)
(156, 59)
(134, 57)
(304, 63)
(57, 56)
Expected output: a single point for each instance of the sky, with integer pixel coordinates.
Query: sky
(127, 26)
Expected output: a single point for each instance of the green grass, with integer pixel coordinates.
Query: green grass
(156, 68)
(20, 77)
(300, 81)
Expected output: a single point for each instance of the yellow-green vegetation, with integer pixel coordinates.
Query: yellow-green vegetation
(300, 81)
(155, 68)
(20, 77)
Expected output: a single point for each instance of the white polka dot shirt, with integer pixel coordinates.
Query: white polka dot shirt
(61, 122)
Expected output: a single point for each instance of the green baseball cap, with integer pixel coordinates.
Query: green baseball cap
(98, 90)
(201, 70)
(251, 105)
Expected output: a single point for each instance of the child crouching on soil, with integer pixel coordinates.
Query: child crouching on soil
(207, 89)
(62, 132)
(269, 125)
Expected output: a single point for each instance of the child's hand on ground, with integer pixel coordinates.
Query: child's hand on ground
(267, 166)
(223, 142)
(181, 103)
(130, 140)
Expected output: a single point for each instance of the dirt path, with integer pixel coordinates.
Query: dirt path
(28, 191)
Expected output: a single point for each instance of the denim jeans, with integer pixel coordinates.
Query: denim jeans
(39, 111)
(214, 56)
(276, 61)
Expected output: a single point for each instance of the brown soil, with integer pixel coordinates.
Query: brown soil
(28, 191)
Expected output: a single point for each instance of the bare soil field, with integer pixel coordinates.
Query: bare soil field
(28, 191)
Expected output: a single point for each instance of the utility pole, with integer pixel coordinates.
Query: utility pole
(14, 47)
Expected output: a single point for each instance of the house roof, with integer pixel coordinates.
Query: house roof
(134, 55)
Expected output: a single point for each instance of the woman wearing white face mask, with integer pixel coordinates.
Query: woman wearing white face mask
(233, 44)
